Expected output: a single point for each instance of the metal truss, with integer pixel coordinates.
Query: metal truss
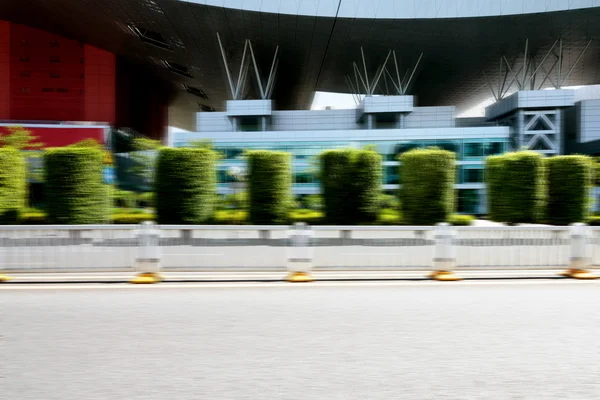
(533, 68)
(362, 86)
(238, 87)
(541, 131)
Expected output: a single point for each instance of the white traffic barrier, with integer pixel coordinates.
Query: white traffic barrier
(147, 262)
(444, 260)
(580, 255)
(300, 257)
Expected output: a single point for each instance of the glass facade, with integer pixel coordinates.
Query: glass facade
(470, 154)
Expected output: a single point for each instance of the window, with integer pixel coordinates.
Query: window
(150, 37)
(468, 201)
(178, 69)
(47, 90)
(391, 175)
(62, 90)
(473, 175)
(206, 108)
(25, 74)
(54, 43)
(24, 58)
(25, 90)
(195, 91)
(493, 148)
(473, 150)
(54, 75)
(55, 59)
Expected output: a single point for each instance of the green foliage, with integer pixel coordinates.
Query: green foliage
(74, 192)
(389, 201)
(144, 158)
(313, 202)
(310, 217)
(185, 185)
(230, 217)
(461, 220)
(20, 138)
(389, 216)
(427, 191)
(90, 143)
(569, 189)
(516, 187)
(146, 199)
(236, 201)
(33, 217)
(596, 171)
(124, 198)
(351, 185)
(594, 220)
(128, 218)
(13, 185)
(269, 186)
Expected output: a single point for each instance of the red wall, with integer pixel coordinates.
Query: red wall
(99, 101)
(45, 77)
(4, 70)
(51, 78)
(61, 136)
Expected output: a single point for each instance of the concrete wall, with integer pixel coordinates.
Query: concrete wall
(431, 117)
(589, 120)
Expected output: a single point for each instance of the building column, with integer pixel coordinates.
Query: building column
(369, 121)
(263, 123)
(234, 124)
(402, 121)
(558, 136)
(519, 129)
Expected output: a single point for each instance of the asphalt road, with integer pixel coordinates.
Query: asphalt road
(441, 341)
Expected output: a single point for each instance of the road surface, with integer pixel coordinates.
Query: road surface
(494, 340)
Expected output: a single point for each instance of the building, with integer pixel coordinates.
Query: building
(547, 121)
(164, 61)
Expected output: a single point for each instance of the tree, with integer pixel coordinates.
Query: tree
(20, 138)
(23, 139)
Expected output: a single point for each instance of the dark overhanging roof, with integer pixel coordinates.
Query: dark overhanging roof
(315, 52)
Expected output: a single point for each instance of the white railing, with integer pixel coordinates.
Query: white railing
(255, 248)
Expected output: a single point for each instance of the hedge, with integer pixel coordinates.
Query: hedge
(269, 186)
(427, 186)
(185, 185)
(13, 185)
(74, 192)
(350, 185)
(461, 220)
(569, 188)
(516, 187)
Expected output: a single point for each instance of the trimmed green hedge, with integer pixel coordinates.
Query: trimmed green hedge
(516, 187)
(427, 190)
(74, 192)
(569, 188)
(185, 185)
(269, 186)
(13, 185)
(351, 185)
(461, 220)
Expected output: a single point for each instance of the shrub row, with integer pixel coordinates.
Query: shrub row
(427, 186)
(269, 186)
(74, 191)
(185, 185)
(523, 187)
(351, 185)
(13, 190)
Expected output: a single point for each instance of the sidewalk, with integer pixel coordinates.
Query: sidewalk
(276, 276)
